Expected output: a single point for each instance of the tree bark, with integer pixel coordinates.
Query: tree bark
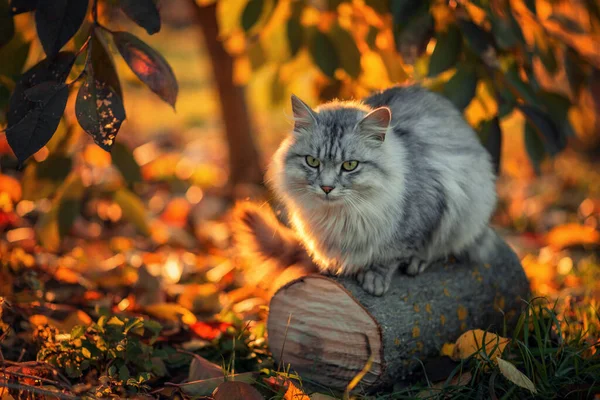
(327, 328)
(244, 162)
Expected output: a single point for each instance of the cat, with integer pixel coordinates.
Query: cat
(399, 179)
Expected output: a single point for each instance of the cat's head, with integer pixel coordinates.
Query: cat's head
(334, 156)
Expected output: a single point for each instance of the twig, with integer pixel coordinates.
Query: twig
(31, 377)
(34, 389)
(66, 382)
(95, 11)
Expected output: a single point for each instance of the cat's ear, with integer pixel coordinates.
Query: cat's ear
(375, 124)
(304, 116)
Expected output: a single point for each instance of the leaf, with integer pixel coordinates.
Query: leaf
(511, 373)
(478, 39)
(22, 6)
(412, 39)
(171, 312)
(475, 341)
(572, 234)
(493, 141)
(518, 87)
(103, 64)
(294, 33)
(201, 368)
(236, 391)
(142, 12)
(209, 330)
(460, 89)
(347, 50)
(55, 70)
(534, 146)
(35, 130)
(573, 68)
(148, 65)
(133, 209)
(7, 25)
(324, 53)
(252, 13)
(404, 10)
(57, 21)
(205, 387)
(123, 159)
(545, 51)
(507, 31)
(13, 56)
(567, 23)
(41, 180)
(558, 107)
(99, 111)
(554, 140)
(531, 5)
(446, 51)
(372, 37)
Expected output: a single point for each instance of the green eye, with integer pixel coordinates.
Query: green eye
(349, 165)
(313, 162)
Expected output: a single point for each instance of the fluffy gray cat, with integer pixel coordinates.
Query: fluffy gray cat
(399, 179)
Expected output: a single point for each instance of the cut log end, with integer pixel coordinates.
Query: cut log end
(326, 329)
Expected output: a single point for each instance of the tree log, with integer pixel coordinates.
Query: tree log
(327, 328)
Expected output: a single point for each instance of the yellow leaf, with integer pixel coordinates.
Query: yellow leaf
(200, 298)
(511, 373)
(447, 350)
(471, 342)
(171, 312)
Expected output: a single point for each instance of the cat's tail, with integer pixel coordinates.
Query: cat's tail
(264, 245)
(487, 248)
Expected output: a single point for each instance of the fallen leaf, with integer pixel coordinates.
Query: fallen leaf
(209, 330)
(201, 368)
(236, 391)
(206, 386)
(471, 342)
(511, 373)
(201, 298)
(171, 312)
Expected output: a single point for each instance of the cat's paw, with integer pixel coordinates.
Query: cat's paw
(373, 282)
(416, 266)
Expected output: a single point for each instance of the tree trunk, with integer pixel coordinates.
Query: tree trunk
(327, 328)
(244, 162)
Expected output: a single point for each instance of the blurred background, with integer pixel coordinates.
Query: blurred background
(525, 73)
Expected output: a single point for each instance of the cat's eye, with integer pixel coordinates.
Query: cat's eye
(349, 165)
(312, 162)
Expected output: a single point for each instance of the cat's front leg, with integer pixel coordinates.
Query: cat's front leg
(416, 265)
(376, 278)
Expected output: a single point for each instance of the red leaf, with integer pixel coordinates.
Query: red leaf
(209, 330)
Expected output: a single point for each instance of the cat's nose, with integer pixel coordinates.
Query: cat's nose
(327, 189)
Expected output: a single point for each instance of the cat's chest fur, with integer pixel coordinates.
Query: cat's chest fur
(343, 238)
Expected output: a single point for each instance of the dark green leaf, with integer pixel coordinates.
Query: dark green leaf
(534, 146)
(404, 10)
(460, 89)
(123, 159)
(492, 141)
(99, 111)
(324, 54)
(518, 87)
(479, 40)
(57, 21)
(142, 12)
(22, 6)
(7, 25)
(133, 209)
(103, 64)
(380, 6)
(252, 13)
(567, 23)
(554, 140)
(412, 39)
(347, 50)
(446, 51)
(507, 31)
(574, 70)
(56, 70)
(545, 51)
(35, 130)
(148, 65)
(13, 56)
(558, 107)
(294, 35)
(123, 373)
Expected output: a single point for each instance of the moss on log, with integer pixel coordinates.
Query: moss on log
(326, 328)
